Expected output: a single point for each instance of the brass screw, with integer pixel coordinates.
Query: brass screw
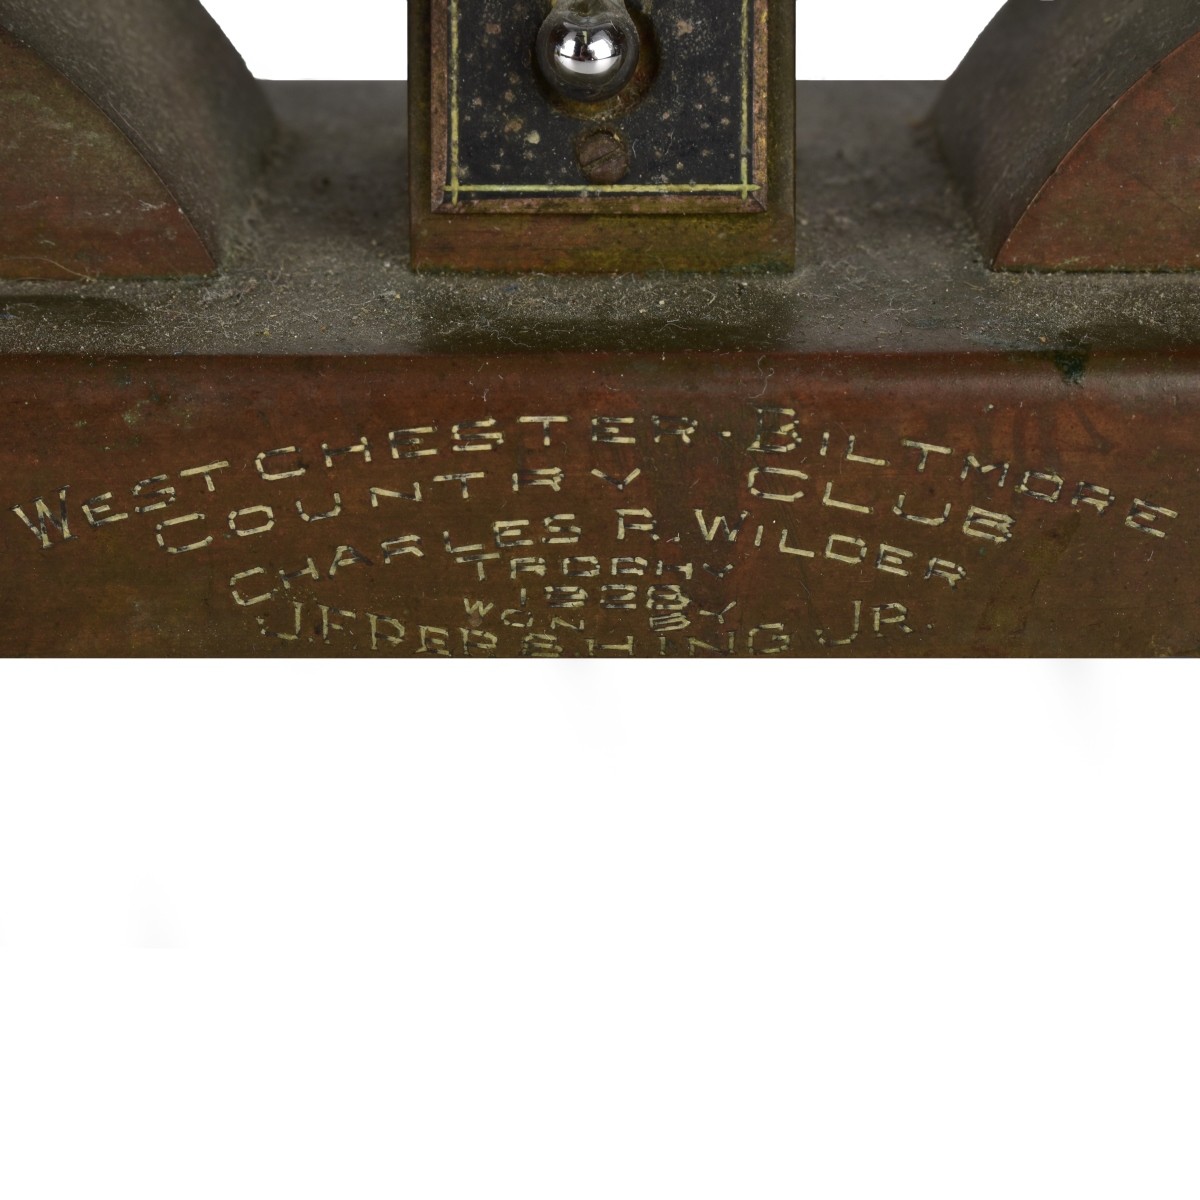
(602, 156)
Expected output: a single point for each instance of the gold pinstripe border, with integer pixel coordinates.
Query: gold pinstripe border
(456, 187)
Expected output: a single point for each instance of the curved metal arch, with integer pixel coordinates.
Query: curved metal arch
(102, 84)
(1072, 128)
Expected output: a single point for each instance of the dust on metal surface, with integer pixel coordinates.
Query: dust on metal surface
(152, 80)
(889, 262)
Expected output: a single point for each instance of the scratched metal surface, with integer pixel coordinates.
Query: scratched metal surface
(889, 263)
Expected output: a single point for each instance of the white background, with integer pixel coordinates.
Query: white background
(367, 39)
(564, 931)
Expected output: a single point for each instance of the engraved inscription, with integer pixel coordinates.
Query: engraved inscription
(607, 534)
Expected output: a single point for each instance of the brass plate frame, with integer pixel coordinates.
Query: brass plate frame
(608, 235)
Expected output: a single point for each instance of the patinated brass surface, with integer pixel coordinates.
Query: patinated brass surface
(1071, 128)
(973, 462)
(134, 139)
(891, 450)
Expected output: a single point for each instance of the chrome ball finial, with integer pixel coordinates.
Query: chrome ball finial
(588, 49)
